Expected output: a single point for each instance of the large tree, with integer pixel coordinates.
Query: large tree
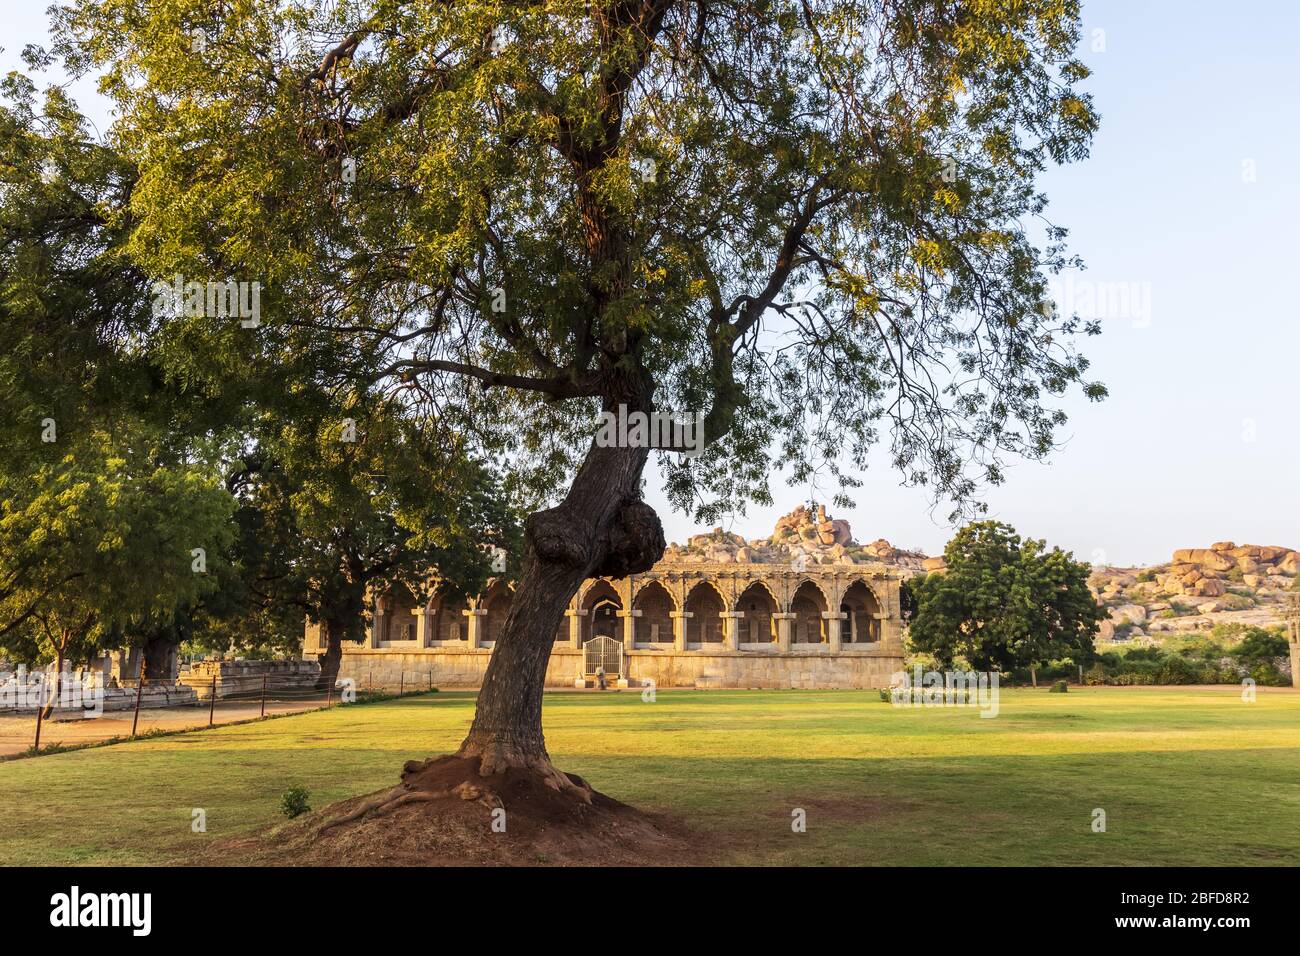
(1005, 602)
(100, 541)
(804, 221)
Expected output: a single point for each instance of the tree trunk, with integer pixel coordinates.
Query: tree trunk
(160, 656)
(602, 528)
(53, 691)
(333, 656)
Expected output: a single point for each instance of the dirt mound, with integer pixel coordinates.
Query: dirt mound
(443, 814)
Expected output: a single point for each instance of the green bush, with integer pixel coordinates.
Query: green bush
(1260, 646)
(293, 802)
(1060, 687)
(1267, 675)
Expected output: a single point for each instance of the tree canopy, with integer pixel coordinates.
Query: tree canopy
(797, 219)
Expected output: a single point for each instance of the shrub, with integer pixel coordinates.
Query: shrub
(1060, 687)
(1260, 646)
(293, 802)
(1267, 675)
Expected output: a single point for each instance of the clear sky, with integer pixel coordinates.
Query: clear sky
(1191, 200)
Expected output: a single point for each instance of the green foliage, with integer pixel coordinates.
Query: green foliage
(124, 450)
(293, 802)
(800, 220)
(1230, 653)
(1060, 687)
(98, 542)
(1005, 602)
(1260, 646)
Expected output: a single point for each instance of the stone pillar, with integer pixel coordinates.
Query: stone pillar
(629, 627)
(731, 629)
(376, 624)
(422, 620)
(679, 628)
(575, 627)
(880, 619)
(474, 626)
(832, 619)
(891, 634)
(783, 621)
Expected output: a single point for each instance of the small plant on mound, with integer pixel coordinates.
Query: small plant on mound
(1060, 687)
(293, 802)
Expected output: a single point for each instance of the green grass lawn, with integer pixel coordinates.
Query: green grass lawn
(1185, 775)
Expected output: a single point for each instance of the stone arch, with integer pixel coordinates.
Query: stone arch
(394, 620)
(706, 605)
(655, 623)
(807, 604)
(860, 607)
(497, 602)
(758, 605)
(449, 622)
(602, 603)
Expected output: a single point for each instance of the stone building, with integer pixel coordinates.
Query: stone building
(807, 607)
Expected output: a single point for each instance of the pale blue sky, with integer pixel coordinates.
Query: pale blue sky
(1200, 439)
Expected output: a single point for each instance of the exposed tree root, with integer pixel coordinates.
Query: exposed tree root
(402, 795)
(498, 756)
(486, 762)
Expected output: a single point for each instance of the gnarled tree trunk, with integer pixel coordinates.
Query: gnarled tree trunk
(333, 656)
(601, 528)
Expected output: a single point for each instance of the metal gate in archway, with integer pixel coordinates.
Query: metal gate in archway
(603, 652)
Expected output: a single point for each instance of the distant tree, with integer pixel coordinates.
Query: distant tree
(331, 507)
(1004, 602)
(99, 541)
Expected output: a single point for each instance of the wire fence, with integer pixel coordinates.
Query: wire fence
(149, 707)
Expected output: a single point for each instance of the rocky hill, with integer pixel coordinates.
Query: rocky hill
(804, 535)
(1198, 588)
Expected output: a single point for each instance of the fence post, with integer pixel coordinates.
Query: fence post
(139, 691)
(263, 714)
(430, 680)
(329, 693)
(212, 703)
(401, 683)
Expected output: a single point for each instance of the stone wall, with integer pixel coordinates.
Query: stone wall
(238, 677)
(387, 668)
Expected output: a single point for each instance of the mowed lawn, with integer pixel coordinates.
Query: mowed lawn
(1184, 775)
